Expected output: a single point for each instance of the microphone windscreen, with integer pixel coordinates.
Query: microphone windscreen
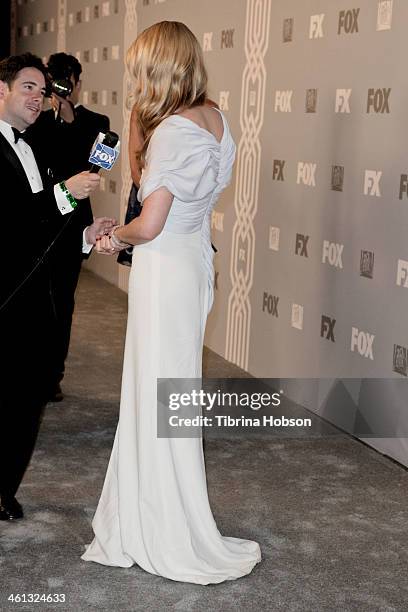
(110, 139)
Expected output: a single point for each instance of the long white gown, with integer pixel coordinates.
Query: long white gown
(154, 509)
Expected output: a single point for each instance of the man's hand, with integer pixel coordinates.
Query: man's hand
(82, 184)
(100, 227)
(67, 110)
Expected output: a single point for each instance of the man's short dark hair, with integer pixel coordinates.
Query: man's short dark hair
(62, 66)
(11, 66)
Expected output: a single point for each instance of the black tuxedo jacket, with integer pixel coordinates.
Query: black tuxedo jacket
(66, 148)
(27, 316)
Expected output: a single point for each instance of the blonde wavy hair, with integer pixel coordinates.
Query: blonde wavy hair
(167, 65)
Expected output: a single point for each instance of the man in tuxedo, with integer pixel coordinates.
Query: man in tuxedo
(67, 131)
(32, 209)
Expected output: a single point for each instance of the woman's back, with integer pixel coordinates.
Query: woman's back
(191, 154)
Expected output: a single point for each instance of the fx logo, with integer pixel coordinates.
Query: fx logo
(402, 273)
(227, 39)
(283, 101)
(348, 21)
(372, 183)
(270, 304)
(207, 41)
(403, 185)
(316, 26)
(277, 172)
(224, 100)
(332, 254)
(301, 245)
(363, 342)
(342, 104)
(306, 174)
(378, 100)
(327, 328)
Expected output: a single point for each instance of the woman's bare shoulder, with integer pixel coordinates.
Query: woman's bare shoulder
(206, 117)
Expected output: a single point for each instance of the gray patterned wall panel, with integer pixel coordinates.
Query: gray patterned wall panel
(312, 269)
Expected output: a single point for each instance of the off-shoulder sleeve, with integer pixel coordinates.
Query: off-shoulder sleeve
(176, 159)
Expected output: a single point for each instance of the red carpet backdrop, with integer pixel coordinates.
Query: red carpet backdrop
(312, 268)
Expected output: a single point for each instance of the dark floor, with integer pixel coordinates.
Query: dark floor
(330, 514)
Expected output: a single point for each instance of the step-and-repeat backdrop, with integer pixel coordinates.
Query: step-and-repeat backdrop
(312, 263)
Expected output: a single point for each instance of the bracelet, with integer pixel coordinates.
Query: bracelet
(68, 195)
(117, 242)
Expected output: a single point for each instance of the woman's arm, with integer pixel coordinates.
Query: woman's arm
(144, 228)
(151, 221)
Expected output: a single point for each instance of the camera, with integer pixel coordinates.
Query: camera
(61, 87)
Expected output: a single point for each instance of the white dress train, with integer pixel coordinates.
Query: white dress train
(154, 509)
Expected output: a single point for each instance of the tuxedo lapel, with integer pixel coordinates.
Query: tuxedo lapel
(12, 157)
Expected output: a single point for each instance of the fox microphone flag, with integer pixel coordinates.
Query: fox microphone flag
(105, 151)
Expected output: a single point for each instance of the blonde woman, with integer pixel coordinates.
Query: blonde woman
(154, 509)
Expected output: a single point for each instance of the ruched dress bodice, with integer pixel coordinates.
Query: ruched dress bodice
(192, 165)
(195, 168)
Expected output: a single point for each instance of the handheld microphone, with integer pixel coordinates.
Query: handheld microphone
(105, 152)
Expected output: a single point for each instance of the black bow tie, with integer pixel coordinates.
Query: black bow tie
(18, 134)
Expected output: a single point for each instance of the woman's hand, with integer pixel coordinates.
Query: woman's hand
(105, 246)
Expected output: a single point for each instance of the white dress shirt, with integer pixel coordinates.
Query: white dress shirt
(27, 159)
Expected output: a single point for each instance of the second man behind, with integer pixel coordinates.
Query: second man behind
(66, 133)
